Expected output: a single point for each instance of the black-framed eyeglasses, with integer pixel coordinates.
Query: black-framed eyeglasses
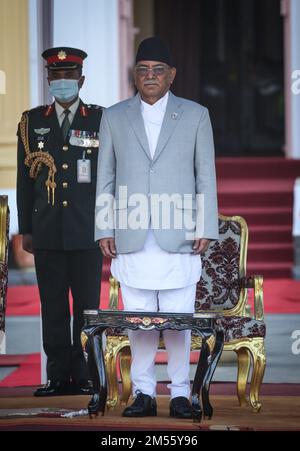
(142, 71)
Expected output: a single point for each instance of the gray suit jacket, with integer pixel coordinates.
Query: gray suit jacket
(183, 165)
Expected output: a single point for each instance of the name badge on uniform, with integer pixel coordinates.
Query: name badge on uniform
(84, 170)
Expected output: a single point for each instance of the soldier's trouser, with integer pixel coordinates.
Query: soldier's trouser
(58, 272)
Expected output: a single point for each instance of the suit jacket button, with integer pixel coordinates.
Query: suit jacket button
(65, 184)
(65, 166)
(89, 151)
(65, 148)
(65, 203)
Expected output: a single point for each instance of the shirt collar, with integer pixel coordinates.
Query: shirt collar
(160, 105)
(73, 108)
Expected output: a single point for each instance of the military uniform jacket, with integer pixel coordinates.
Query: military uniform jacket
(68, 223)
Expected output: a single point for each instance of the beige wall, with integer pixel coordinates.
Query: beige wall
(14, 62)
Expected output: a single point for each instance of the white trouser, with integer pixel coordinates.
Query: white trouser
(144, 343)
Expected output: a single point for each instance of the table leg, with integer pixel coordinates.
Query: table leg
(213, 361)
(97, 372)
(198, 380)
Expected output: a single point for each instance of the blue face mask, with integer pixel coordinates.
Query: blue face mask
(64, 90)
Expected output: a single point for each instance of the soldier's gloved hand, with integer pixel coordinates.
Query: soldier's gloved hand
(108, 247)
(27, 243)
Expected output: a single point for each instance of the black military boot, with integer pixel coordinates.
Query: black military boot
(54, 388)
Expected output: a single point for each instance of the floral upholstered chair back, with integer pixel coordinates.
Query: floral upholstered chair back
(4, 240)
(223, 268)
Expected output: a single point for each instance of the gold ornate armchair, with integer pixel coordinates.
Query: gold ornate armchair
(223, 287)
(4, 240)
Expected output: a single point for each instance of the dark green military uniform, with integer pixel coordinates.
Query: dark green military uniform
(60, 218)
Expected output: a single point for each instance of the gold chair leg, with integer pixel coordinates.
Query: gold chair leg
(244, 360)
(112, 377)
(125, 362)
(258, 354)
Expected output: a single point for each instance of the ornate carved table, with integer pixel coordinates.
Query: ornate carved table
(206, 325)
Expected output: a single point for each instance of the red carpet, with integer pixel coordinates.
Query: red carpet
(28, 371)
(261, 190)
(280, 296)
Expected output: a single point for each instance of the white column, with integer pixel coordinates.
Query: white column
(37, 77)
(126, 48)
(93, 27)
(291, 12)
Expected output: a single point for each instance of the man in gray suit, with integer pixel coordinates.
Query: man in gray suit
(156, 212)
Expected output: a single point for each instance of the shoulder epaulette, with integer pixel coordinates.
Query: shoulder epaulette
(94, 107)
(37, 108)
(86, 109)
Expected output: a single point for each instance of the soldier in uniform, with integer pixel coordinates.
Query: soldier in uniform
(56, 182)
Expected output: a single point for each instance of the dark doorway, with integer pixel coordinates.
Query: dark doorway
(229, 57)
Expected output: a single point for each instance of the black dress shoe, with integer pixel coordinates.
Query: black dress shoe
(143, 406)
(82, 387)
(54, 388)
(180, 407)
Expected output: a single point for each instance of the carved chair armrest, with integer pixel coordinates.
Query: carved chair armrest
(256, 282)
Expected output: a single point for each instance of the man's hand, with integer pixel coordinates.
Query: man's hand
(27, 243)
(200, 246)
(108, 247)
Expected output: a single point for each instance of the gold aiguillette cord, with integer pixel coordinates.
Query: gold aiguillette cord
(35, 160)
